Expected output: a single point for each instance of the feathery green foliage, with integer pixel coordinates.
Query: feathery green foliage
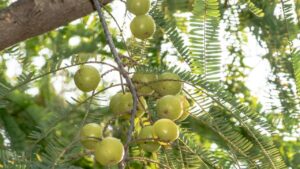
(254, 9)
(204, 38)
(168, 26)
(296, 66)
(229, 126)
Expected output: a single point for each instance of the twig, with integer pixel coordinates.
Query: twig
(149, 160)
(225, 3)
(120, 29)
(78, 156)
(107, 72)
(53, 124)
(50, 72)
(77, 134)
(181, 155)
(124, 74)
(107, 124)
(121, 80)
(205, 162)
(129, 59)
(244, 125)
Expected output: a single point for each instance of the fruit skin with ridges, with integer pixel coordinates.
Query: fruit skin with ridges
(148, 145)
(186, 106)
(168, 84)
(138, 7)
(89, 135)
(142, 27)
(143, 82)
(122, 103)
(169, 107)
(87, 78)
(165, 130)
(109, 151)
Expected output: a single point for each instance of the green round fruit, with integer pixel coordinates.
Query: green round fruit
(143, 82)
(114, 103)
(122, 103)
(148, 145)
(138, 7)
(186, 106)
(142, 27)
(109, 151)
(169, 107)
(168, 84)
(87, 78)
(89, 135)
(165, 130)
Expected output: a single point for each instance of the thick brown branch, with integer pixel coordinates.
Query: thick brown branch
(28, 18)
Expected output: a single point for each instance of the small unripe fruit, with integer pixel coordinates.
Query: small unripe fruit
(87, 78)
(148, 145)
(138, 7)
(143, 82)
(168, 84)
(122, 104)
(109, 151)
(165, 130)
(142, 27)
(169, 107)
(89, 135)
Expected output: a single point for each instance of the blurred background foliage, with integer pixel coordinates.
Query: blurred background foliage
(38, 119)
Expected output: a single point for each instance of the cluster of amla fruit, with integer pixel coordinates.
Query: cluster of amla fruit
(171, 107)
(142, 26)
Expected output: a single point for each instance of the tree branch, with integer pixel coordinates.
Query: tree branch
(28, 18)
(225, 4)
(124, 74)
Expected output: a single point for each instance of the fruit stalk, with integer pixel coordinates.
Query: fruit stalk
(131, 87)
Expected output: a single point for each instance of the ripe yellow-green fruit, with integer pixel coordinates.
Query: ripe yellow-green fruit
(138, 7)
(186, 106)
(165, 130)
(142, 27)
(169, 107)
(122, 103)
(87, 78)
(89, 135)
(143, 82)
(168, 84)
(148, 145)
(109, 151)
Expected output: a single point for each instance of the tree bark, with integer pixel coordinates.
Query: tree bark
(28, 18)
